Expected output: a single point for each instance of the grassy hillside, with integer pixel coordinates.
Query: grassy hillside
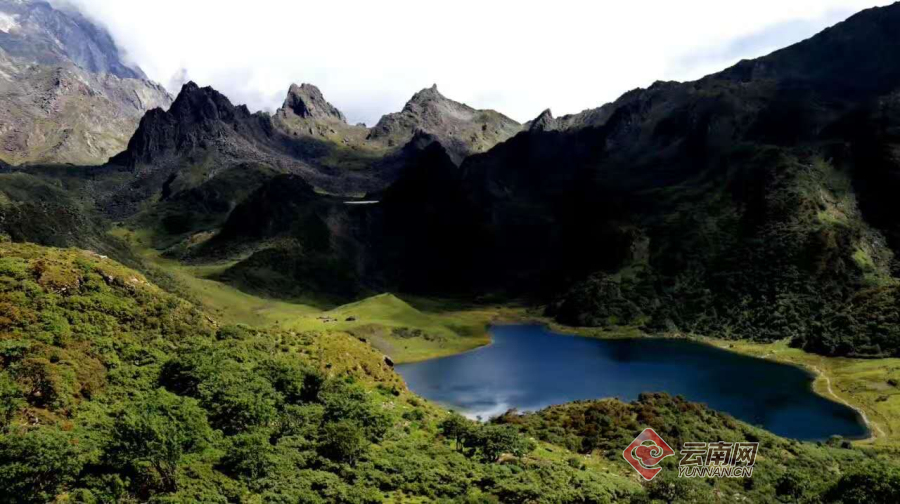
(223, 301)
(404, 332)
(431, 328)
(773, 247)
(55, 212)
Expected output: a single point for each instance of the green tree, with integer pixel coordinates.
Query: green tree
(344, 401)
(152, 434)
(793, 486)
(456, 428)
(11, 400)
(874, 482)
(297, 382)
(344, 441)
(249, 454)
(47, 385)
(496, 440)
(302, 420)
(668, 487)
(238, 400)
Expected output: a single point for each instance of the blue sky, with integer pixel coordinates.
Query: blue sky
(518, 57)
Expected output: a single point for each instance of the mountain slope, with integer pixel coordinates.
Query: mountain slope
(754, 203)
(38, 33)
(68, 96)
(418, 235)
(739, 205)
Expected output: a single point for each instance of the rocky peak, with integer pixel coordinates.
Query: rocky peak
(68, 95)
(461, 129)
(426, 95)
(543, 122)
(198, 118)
(307, 101)
(196, 104)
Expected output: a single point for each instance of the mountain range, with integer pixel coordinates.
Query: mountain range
(753, 203)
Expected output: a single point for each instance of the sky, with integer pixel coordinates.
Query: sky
(517, 57)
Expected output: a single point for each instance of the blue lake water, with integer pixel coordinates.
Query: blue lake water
(530, 368)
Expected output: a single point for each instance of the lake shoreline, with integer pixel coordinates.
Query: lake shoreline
(877, 435)
(529, 368)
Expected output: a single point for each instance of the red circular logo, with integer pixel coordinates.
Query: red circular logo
(646, 452)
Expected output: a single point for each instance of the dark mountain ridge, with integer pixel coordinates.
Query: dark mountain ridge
(307, 101)
(203, 133)
(741, 204)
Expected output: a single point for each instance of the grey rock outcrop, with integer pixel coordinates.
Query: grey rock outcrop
(543, 122)
(203, 135)
(306, 101)
(586, 119)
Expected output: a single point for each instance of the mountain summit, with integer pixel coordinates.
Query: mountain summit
(306, 101)
(461, 129)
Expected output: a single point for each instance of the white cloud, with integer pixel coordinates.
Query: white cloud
(516, 56)
(7, 22)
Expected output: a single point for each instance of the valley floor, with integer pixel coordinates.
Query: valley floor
(408, 330)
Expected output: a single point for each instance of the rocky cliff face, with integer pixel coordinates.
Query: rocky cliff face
(35, 32)
(198, 120)
(306, 113)
(586, 119)
(543, 122)
(66, 94)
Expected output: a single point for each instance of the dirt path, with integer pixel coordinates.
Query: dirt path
(873, 427)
